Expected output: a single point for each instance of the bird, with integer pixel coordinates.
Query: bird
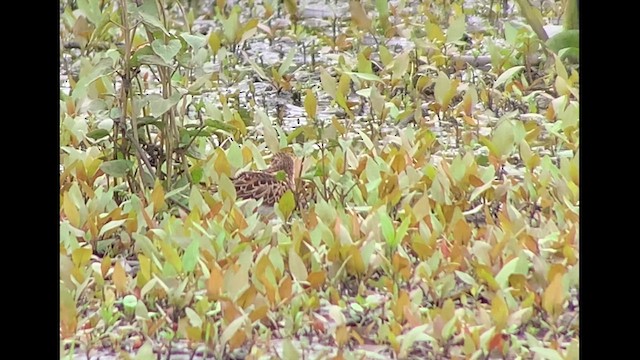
(266, 185)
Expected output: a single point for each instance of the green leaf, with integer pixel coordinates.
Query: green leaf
(364, 76)
(194, 318)
(99, 70)
(171, 255)
(507, 75)
(98, 134)
(456, 29)
(503, 138)
(402, 229)
(287, 62)
(366, 140)
(296, 266)
(195, 41)
(270, 135)
(286, 204)
(160, 105)
(232, 328)
(91, 9)
(116, 168)
(191, 256)
(111, 225)
(548, 354)
(466, 278)
(166, 51)
(149, 15)
(442, 87)
(145, 352)
(519, 265)
(329, 83)
(386, 225)
(418, 333)
(289, 351)
(479, 190)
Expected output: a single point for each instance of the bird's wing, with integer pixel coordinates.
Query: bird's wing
(259, 185)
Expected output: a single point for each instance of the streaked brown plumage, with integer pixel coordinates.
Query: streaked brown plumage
(265, 184)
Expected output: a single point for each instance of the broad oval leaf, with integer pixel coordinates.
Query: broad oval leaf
(116, 168)
(166, 51)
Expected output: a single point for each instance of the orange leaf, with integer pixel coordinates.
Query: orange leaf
(397, 308)
(359, 15)
(285, 288)
(317, 279)
(214, 284)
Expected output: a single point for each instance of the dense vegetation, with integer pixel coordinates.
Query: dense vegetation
(438, 154)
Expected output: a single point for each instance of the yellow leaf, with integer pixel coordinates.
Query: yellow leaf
(462, 232)
(554, 296)
(171, 255)
(81, 256)
(398, 307)
(292, 7)
(285, 288)
(70, 210)
(221, 164)
(105, 265)
(499, 311)
(434, 33)
(119, 278)
(310, 104)
(355, 264)
(214, 42)
(338, 126)
(157, 197)
(145, 266)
